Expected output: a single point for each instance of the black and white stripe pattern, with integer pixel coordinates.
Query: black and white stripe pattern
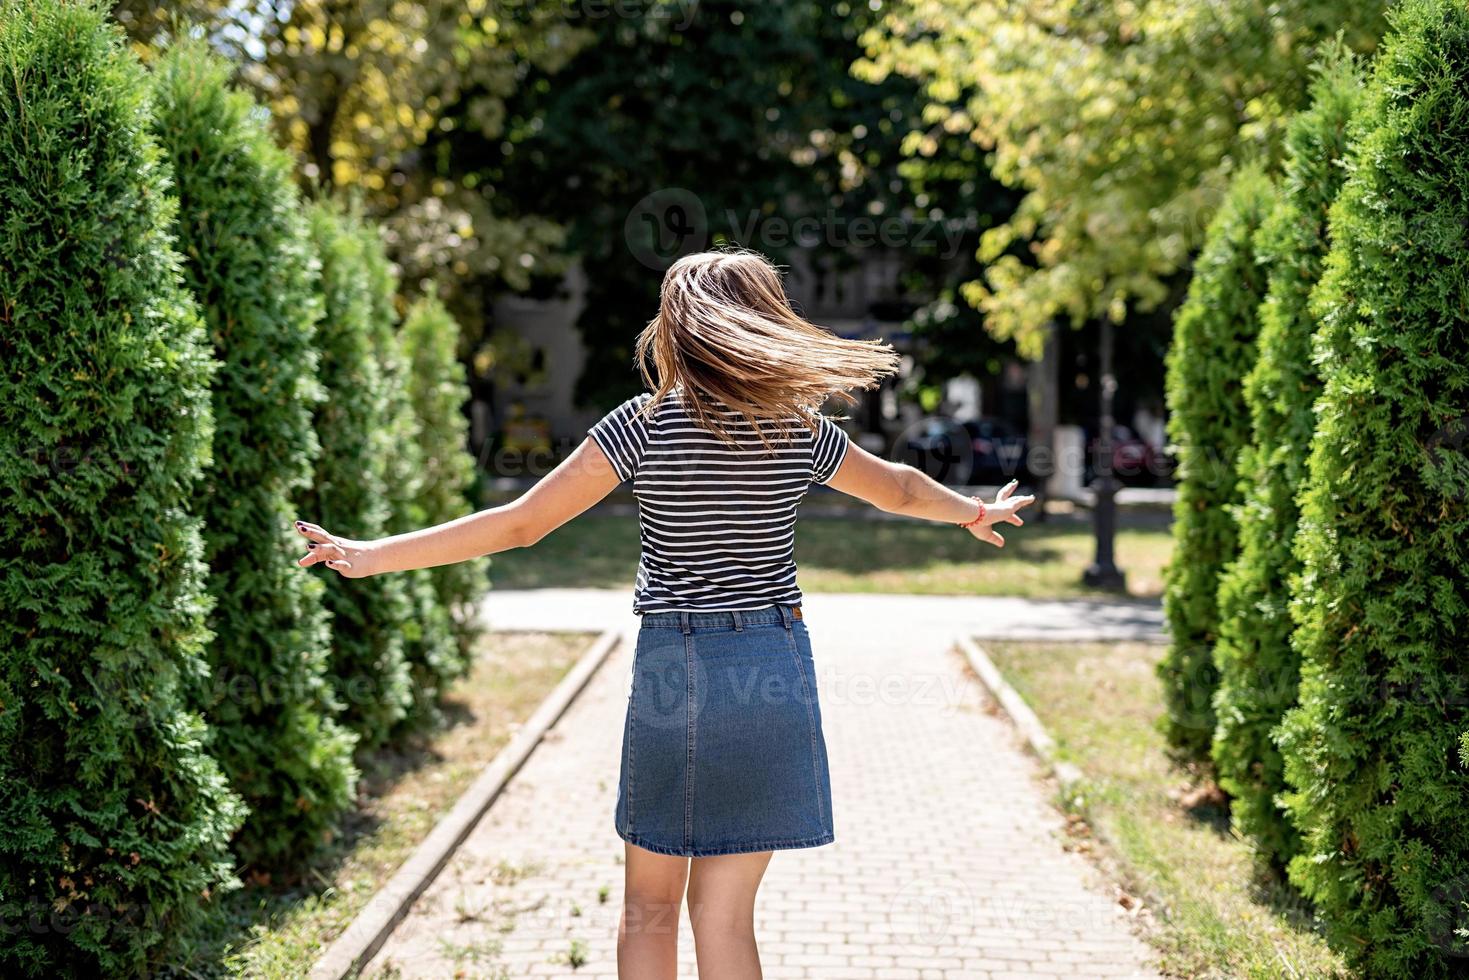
(718, 521)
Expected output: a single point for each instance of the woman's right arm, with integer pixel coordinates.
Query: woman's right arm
(900, 489)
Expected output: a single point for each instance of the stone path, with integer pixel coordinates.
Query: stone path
(948, 861)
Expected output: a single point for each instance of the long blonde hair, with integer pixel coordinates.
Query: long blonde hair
(725, 333)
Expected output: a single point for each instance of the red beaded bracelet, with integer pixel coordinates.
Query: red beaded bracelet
(970, 524)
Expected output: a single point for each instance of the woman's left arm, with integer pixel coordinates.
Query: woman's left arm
(581, 480)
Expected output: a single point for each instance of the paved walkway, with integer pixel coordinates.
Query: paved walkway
(947, 864)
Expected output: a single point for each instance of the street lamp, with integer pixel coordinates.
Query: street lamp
(1103, 573)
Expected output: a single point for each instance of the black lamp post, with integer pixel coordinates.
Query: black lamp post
(1103, 573)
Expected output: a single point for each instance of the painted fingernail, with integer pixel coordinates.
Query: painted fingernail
(311, 544)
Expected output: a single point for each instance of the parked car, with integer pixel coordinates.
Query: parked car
(986, 450)
(999, 452)
(939, 446)
(1134, 462)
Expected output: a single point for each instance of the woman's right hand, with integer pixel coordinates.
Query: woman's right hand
(346, 557)
(1004, 510)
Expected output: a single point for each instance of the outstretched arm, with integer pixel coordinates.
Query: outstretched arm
(581, 480)
(900, 489)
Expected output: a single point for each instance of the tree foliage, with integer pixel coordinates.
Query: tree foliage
(438, 391)
(429, 645)
(250, 265)
(357, 89)
(114, 822)
(1213, 349)
(1371, 753)
(1259, 673)
(349, 491)
(686, 125)
(1123, 122)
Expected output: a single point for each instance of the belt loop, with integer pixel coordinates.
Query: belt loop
(739, 621)
(683, 623)
(785, 615)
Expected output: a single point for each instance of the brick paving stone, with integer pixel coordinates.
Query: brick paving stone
(948, 861)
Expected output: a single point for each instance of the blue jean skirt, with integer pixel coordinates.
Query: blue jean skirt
(722, 750)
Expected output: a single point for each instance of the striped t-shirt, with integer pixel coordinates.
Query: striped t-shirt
(718, 522)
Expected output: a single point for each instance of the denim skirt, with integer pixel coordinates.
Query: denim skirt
(722, 750)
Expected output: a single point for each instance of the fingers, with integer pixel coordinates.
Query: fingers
(317, 558)
(313, 532)
(1015, 504)
(322, 553)
(988, 535)
(1006, 490)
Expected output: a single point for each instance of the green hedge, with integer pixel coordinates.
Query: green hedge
(1213, 348)
(1258, 670)
(439, 389)
(348, 494)
(114, 822)
(1378, 790)
(249, 262)
(428, 641)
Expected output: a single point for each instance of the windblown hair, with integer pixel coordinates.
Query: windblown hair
(727, 337)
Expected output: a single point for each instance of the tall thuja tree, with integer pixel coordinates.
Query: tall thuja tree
(1377, 788)
(428, 641)
(1213, 349)
(114, 822)
(249, 262)
(438, 389)
(1258, 669)
(349, 493)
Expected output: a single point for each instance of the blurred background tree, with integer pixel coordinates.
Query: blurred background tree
(357, 87)
(1121, 121)
(749, 107)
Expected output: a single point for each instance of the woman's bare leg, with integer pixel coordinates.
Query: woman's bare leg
(722, 909)
(647, 937)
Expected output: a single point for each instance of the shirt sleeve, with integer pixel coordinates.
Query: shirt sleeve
(623, 436)
(828, 449)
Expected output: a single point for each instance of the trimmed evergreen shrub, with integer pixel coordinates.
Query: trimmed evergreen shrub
(1213, 349)
(349, 494)
(439, 389)
(114, 821)
(1258, 669)
(428, 639)
(1371, 753)
(249, 262)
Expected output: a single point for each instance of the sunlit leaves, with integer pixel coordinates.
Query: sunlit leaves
(1122, 121)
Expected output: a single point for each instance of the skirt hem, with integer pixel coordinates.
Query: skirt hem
(741, 848)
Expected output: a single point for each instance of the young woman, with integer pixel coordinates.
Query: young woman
(723, 760)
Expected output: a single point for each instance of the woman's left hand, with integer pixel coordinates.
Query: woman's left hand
(1004, 510)
(349, 558)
